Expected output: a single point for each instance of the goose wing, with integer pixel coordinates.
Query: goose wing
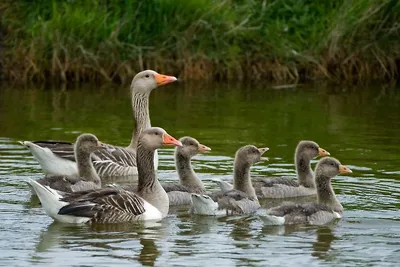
(237, 202)
(270, 182)
(61, 149)
(108, 205)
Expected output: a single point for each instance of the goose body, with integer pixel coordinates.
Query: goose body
(87, 177)
(180, 194)
(242, 198)
(327, 207)
(283, 187)
(115, 205)
(57, 158)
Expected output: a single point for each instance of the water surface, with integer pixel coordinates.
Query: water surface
(359, 126)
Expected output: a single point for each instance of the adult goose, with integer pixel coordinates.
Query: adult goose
(283, 187)
(179, 194)
(327, 207)
(57, 158)
(242, 199)
(87, 179)
(115, 205)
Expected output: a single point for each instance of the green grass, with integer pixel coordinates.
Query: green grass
(278, 40)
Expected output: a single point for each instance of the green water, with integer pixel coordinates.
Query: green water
(359, 126)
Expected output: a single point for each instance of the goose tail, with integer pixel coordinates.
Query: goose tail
(49, 198)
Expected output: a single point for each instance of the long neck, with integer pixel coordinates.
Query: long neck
(85, 166)
(242, 180)
(149, 187)
(325, 193)
(141, 118)
(305, 174)
(187, 177)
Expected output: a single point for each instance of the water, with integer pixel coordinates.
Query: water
(359, 126)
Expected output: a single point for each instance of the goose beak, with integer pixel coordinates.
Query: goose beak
(101, 145)
(263, 150)
(164, 79)
(344, 169)
(322, 152)
(169, 140)
(203, 148)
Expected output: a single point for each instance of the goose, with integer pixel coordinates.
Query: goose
(285, 187)
(87, 179)
(179, 194)
(242, 199)
(115, 205)
(57, 158)
(326, 209)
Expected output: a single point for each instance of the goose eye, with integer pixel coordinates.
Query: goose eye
(147, 76)
(157, 133)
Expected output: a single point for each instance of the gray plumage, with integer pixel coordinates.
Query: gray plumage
(242, 198)
(283, 187)
(189, 182)
(327, 207)
(115, 205)
(115, 160)
(87, 177)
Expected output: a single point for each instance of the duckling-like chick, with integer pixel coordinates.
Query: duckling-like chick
(179, 194)
(242, 198)
(87, 179)
(327, 207)
(283, 187)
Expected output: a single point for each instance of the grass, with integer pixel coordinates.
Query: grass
(278, 40)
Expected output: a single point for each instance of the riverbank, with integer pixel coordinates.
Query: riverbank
(280, 41)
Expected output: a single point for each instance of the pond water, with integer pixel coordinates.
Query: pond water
(359, 126)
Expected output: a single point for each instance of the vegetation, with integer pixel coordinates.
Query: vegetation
(279, 40)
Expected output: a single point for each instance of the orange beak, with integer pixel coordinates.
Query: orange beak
(344, 169)
(322, 152)
(203, 148)
(164, 79)
(169, 140)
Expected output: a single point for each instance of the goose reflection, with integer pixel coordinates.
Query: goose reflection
(323, 244)
(135, 242)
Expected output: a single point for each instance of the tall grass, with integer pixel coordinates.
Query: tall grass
(280, 40)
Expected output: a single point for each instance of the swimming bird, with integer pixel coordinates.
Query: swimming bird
(283, 187)
(87, 179)
(57, 158)
(326, 209)
(115, 205)
(242, 199)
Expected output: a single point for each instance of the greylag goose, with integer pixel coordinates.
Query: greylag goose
(324, 211)
(285, 187)
(242, 198)
(57, 158)
(87, 179)
(115, 205)
(179, 194)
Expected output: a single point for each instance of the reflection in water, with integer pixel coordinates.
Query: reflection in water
(359, 127)
(106, 238)
(322, 245)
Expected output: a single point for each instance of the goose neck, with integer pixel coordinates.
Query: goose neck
(141, 117)
(187, 176)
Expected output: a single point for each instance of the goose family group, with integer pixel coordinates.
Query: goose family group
(72, 190)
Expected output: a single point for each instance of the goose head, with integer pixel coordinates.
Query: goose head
(251, 154)
(310, 150)
(147, 80)
(329, 167)
(89, 143)
(156, 137)
(191, 147)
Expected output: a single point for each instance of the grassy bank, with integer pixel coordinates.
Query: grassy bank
(278, 40)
